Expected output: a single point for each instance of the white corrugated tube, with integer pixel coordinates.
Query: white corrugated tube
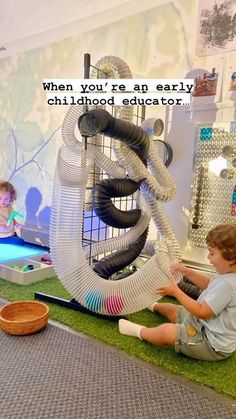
(70, 259)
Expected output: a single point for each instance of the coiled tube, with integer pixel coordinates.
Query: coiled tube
(69, 257)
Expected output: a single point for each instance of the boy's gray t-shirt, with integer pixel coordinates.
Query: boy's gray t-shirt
(221, 298)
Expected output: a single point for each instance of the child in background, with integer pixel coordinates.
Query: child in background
(204, 329)
(7, 225)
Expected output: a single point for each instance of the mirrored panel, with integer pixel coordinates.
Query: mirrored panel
(214, 180)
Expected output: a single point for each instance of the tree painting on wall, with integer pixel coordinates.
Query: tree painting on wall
(216, 27)
(27, 155)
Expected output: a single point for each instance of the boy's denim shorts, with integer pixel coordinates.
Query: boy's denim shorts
(191, 339)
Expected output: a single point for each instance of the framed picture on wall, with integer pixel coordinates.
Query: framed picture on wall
(216, 32)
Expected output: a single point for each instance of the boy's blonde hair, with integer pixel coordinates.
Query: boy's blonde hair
(223, 237)
(8, 187)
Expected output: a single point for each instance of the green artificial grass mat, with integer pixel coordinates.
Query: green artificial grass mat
(221, 375)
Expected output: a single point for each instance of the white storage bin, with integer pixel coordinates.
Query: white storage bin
(40, 271)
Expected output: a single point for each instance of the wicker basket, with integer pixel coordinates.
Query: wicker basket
(23, 317)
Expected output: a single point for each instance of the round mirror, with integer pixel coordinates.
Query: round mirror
(165, 151)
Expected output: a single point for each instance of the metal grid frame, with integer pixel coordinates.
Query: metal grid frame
(94, 229)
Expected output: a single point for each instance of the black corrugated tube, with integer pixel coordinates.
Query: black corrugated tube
(106, 189)
(98, 120)
(110, 264)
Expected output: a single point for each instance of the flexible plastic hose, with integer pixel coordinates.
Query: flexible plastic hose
(106, 210)
(68, 135)
(108, 265)
(119, 242)
(100, 121)
(107, 297)
(70, 260)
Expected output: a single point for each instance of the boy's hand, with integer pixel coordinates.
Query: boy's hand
(169, 289)
(178, 267)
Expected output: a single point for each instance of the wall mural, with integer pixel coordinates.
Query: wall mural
(30, 130)
(27, 156)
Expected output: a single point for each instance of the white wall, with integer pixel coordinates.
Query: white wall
(27, 24)
(166, 50)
